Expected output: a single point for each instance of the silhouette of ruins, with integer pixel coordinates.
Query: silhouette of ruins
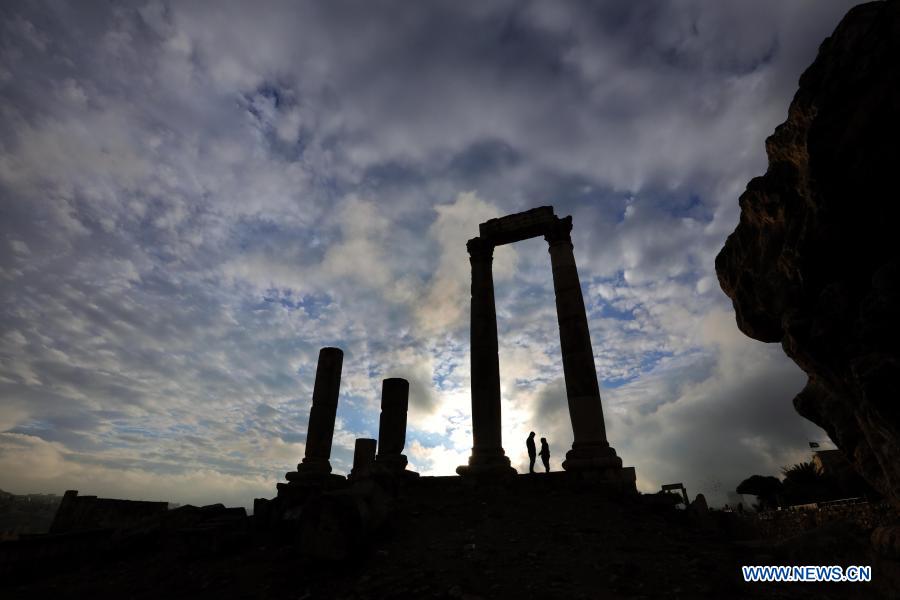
(392, 424)
(590, 455)
(363, 458)
(677, 487)
(812, 265)
(81, 513)
(355, 503)
(590, 451)
(316, 462)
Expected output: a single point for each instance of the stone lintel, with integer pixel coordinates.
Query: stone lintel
(517, 227)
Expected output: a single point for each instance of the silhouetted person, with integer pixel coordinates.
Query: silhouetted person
(532, 452)
(545, 455)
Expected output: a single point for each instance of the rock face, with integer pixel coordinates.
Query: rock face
(814, 262)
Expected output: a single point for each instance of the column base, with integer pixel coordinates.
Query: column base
(596, 464)
(392, 462)
(591, 456)
(301, 486)
(313, 466)
(312, 477)
(393, 465)
(487, 463)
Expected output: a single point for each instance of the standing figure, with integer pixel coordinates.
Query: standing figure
(532, 452)
(545, 455)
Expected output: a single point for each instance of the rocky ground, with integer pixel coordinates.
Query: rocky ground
(529, 539)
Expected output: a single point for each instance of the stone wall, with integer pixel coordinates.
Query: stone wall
(82, 513)
(787, 522)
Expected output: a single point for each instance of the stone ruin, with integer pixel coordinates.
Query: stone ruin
(679, 488)
(363, 458)
(316, 464)
(335, 509)
(392, 425)
(591, 452)
(812, 264)
(333, 512)
(83, 513)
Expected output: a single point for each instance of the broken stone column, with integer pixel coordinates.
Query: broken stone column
(590, 449)
(316, 460)
(487, 452)
(363, 457)
(392, 424)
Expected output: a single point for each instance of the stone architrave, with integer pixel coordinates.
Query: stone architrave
(316, 460)
(487, 450)
(363, 457)
(392, 424)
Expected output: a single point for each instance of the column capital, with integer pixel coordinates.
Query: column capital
(480, 249)
(559, 232)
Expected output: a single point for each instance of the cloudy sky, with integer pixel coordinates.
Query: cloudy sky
(197, 196)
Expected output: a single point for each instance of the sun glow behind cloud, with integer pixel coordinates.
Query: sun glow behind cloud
(195, 201)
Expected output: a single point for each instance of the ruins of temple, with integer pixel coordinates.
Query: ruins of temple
(591, 452)
(392, 424)
(381, 461)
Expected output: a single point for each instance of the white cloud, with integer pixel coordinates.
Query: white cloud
(436, 460)
(444, 305)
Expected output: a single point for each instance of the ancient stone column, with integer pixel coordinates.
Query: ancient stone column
(316, 460)
(590, 449)
(487, 451)
(363, 457)
(392, 424)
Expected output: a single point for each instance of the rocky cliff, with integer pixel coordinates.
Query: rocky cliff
(814, 262)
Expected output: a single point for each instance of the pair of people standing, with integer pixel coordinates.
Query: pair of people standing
(532, 453)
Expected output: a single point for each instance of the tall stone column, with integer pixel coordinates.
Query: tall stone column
(487, 451)
(317, 457)
(590, 449)
(392, 423)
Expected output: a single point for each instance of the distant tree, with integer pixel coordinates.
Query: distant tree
(802, 473)
(803, 484)
(767, 490)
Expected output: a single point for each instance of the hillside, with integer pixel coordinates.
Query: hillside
(534, 537)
